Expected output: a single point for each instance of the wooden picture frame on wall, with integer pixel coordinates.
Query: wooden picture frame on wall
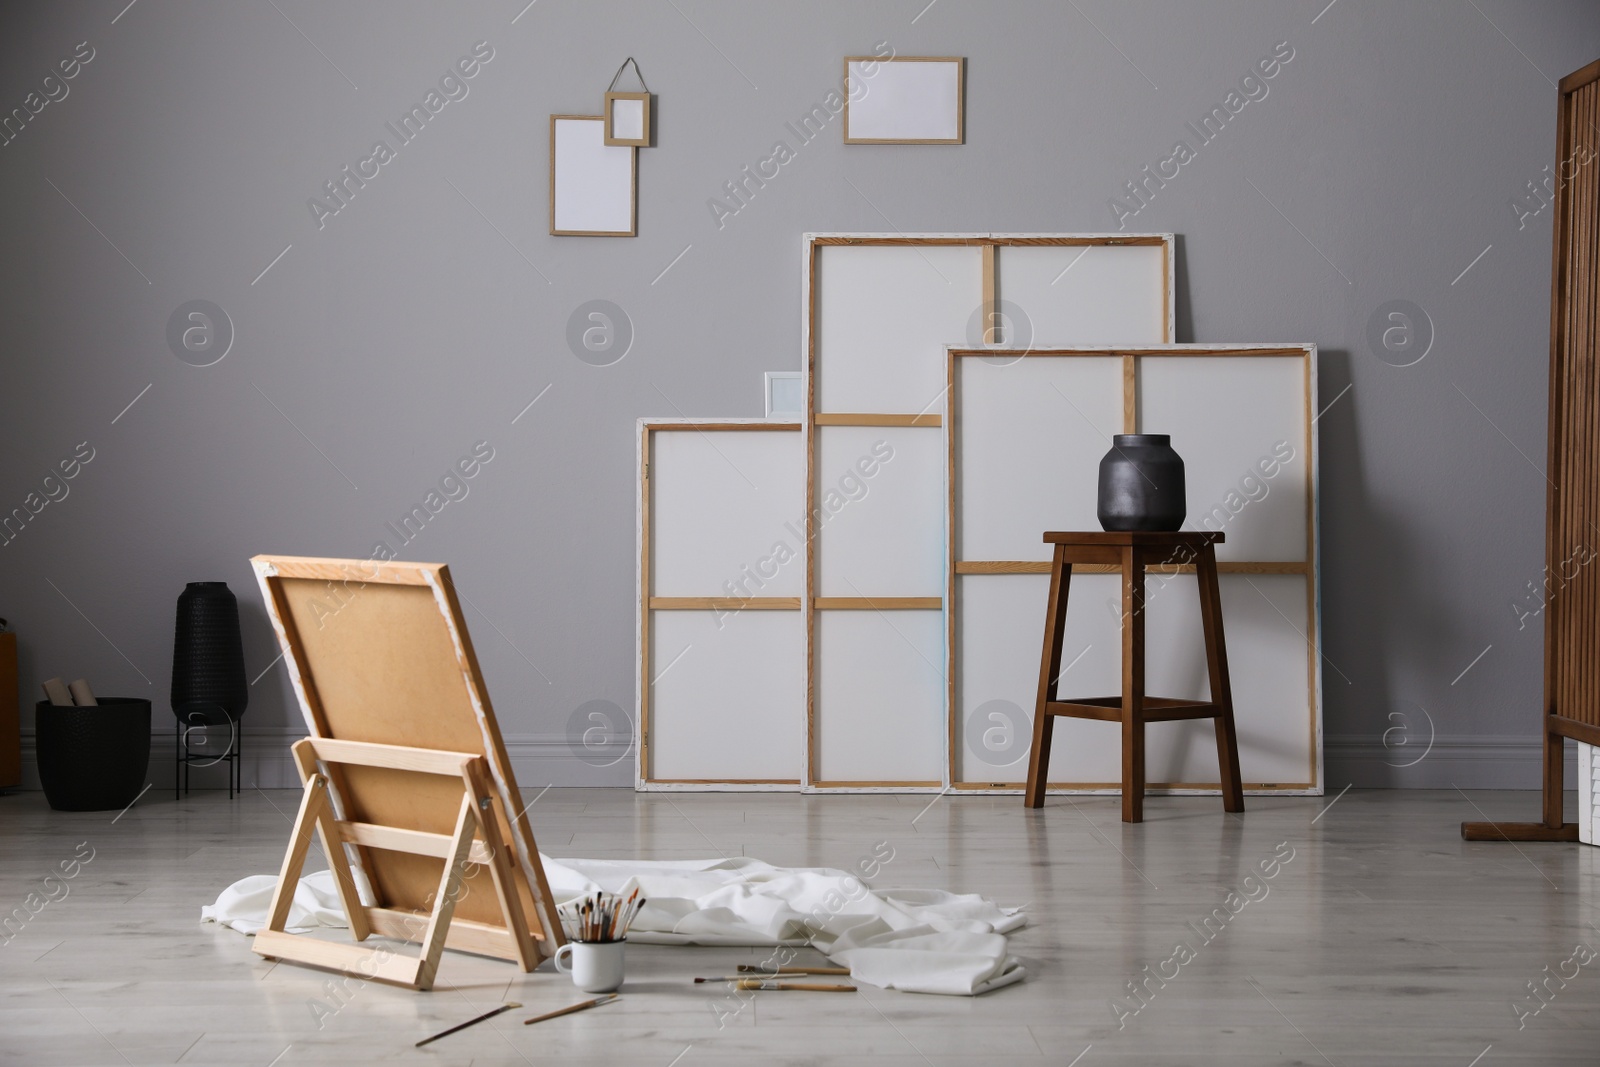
(905, 100)
(629, 124)
(594, 186)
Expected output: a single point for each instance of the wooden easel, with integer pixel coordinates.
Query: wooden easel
(1572, 509)
(406, 777)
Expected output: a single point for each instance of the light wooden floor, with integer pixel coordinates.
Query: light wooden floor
(1386, 940)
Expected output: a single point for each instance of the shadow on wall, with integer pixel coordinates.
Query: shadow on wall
(272, 700)
(1383, 585)
(1183, 317)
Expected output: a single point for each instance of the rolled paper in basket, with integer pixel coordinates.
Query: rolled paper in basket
(57, 693)
(82, 695)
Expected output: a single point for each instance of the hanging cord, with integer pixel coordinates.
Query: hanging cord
(636, 73)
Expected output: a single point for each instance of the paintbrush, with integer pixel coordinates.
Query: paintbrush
(507, 1006)
(813, 987)
(748, 972)
(753, 968)
(622, 908)
(582, 1006)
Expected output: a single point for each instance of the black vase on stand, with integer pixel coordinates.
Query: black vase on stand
(1141, 484)
(209, 690)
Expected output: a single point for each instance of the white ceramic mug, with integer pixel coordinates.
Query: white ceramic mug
(596, 967)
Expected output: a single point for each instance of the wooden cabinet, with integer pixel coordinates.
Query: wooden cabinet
(10, 727)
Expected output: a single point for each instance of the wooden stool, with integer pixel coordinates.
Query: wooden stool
(1131, 553)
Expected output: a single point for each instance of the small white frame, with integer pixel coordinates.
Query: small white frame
(779, 383)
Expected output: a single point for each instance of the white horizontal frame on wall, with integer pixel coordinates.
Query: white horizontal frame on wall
(721, 641)
(905, 100)
(1024, 439)
(880, 311)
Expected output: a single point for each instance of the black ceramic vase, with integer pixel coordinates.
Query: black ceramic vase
(208, 682)
(1141, 484)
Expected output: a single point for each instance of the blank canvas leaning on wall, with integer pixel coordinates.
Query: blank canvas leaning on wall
(721, 684)
(881, 311)
(1240, 415)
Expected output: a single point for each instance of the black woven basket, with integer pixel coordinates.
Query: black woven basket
(93, 758)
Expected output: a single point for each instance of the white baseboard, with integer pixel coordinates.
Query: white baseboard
(1488, 762)
(537, 761)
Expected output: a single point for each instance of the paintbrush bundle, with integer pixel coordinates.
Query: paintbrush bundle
(600, 918)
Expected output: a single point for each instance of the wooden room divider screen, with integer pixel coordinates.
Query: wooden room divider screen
(1572, 509)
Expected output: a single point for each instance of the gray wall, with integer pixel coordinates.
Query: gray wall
(427, 313)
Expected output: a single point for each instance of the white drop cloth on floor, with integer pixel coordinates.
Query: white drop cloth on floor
(913, 940)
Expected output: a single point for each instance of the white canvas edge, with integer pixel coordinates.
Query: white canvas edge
(808, 616)
(1586, 793)
(1320, 786)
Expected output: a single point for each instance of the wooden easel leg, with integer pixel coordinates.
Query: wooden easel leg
(274, 942)
(500, 861)
(1221, 687)
(355, 911)
(1055, 624)
(313, 801)
(1132, 685)
(451, 881)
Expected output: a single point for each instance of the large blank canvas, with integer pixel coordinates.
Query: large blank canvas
(1030, 435)
(729, 699)
(1228, 411)
(905, 100)
(879, 543)
(1226, 415)
(1085, 295)
(884, 314)
(591, 182)
(721, 682)
(882, 311)
(721, 502)
(880, 690)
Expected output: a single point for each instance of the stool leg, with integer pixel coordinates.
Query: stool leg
(1217, 667)
(1055, 624)
(1132, 685)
